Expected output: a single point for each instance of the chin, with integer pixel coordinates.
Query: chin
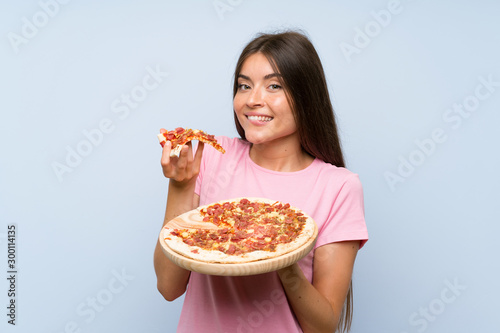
(253, 139)
(257, 140)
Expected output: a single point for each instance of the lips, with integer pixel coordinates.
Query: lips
(262, 119)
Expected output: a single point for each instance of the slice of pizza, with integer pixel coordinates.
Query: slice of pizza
(180, 136)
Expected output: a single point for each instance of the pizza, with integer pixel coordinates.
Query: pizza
(239, 230)
(180, 136)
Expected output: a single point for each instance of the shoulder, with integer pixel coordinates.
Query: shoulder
(235, 150)
(338, 176)
(342, 203)
(231, 144)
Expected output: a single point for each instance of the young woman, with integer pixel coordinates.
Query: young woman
(289, 151)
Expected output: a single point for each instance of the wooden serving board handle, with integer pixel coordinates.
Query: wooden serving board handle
(190, 220)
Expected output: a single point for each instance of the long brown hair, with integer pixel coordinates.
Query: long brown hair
(292, 55)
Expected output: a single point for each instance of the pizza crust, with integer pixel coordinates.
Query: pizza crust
(215, 256)
(176, 151)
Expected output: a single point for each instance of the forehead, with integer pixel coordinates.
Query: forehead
(256, 65)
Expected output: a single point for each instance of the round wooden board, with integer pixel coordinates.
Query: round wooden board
(237, 269)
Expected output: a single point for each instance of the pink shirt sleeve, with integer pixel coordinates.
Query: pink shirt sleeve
(346, 219)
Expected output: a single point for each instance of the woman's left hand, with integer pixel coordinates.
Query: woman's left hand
(317, 306)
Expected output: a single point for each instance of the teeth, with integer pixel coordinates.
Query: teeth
(260, 118)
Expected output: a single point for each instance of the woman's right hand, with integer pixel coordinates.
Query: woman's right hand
(184, 169)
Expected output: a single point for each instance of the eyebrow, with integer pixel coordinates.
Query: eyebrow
(266, 77)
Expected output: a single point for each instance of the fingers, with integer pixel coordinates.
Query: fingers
(165, 154)
(198, 155)
(165, 159)
(185, 157)
(182, 168)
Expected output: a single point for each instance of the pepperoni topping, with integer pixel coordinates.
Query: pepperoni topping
(247, 226)
(180, 136)
(231, 249)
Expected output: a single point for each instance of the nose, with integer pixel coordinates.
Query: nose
(255, 98)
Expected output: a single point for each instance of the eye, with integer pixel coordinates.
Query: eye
(243, 86)
(274, 86)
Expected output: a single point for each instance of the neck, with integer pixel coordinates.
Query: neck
(280, 157)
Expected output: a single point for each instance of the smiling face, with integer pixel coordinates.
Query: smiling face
(261, 105)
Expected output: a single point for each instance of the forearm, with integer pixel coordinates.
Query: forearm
(181, 198)
(313, 311)
(171, 279)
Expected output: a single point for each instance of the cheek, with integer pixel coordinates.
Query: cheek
(237, 110)
(279, 103)
(237, 103)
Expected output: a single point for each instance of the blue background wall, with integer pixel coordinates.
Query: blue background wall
(86, 85)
